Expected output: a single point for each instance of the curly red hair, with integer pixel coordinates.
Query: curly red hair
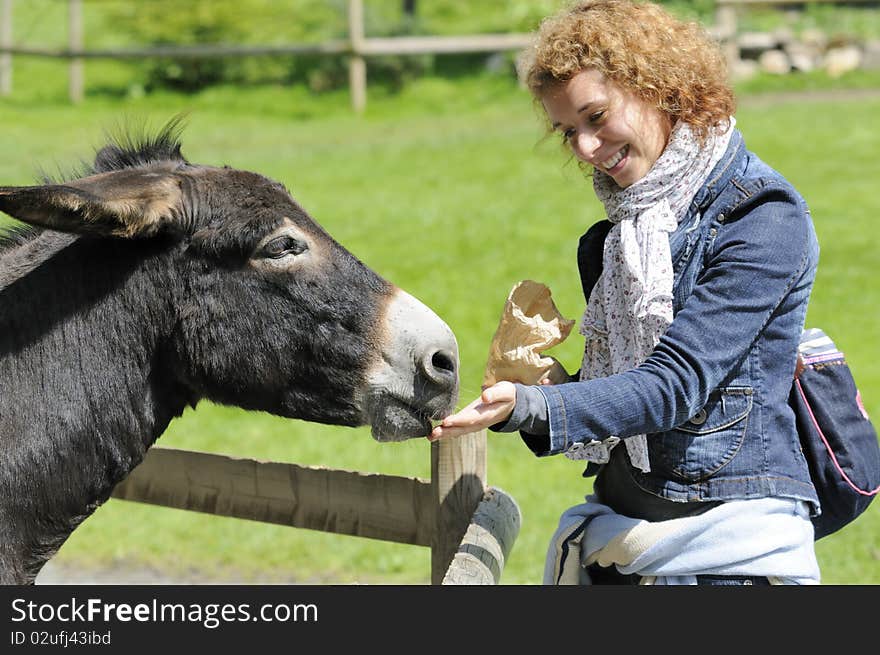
(672, 64)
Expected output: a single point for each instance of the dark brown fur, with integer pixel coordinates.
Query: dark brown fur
(147, 285)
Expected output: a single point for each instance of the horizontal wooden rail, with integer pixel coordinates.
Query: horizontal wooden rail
(365, 48)
(409, 45)
(199, 50)
(385, 507)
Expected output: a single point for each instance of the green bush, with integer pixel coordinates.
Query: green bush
(233, 22)
(258, 22)
(169, 22)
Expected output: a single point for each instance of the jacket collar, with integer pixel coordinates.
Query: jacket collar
(682, 239)
(722, 173)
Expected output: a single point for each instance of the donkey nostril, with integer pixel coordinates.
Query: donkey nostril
(443, 361)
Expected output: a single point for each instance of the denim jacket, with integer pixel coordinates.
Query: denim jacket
(712, 396)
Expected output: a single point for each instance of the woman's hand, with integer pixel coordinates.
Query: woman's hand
(494, 405)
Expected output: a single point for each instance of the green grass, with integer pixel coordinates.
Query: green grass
(448, 190)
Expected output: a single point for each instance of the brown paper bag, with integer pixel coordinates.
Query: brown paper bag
(529, 325)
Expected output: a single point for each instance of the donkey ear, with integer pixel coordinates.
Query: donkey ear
(126, 203)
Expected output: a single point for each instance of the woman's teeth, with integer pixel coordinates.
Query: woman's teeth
(615, 160)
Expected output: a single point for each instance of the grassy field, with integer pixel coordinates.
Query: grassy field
(449, 190)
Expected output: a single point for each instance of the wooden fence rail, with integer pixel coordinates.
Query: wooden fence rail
(357, 47)
(469, 527)
(384, 507)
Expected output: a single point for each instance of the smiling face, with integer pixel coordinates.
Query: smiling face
(607, 126)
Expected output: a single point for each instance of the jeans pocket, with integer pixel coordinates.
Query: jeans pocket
(698, 448)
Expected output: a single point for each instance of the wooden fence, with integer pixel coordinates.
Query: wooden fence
(469, 527)
(357, 47)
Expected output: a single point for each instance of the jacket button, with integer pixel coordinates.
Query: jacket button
(721, 218)
(700, 417)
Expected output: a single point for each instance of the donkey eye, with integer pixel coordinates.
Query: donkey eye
(283, 246)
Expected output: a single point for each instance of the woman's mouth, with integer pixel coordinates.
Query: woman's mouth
(615, 163)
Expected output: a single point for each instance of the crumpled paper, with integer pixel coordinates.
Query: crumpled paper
(530, 324)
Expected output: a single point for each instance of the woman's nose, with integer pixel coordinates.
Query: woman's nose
(584, 145)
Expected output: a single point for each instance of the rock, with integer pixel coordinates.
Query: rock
(814, 38)
(744, 69)
(752, 44)
(803, 57)
(802, 62)
(775, 62)
(783, 36)
(838, 61)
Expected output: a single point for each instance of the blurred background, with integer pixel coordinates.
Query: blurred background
(401, 127)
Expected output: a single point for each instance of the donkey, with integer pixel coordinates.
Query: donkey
(149, 283)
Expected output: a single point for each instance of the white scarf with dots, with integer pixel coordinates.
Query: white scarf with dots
(631, 305)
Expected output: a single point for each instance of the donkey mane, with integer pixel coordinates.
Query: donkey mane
(128, 147)
(128, 150)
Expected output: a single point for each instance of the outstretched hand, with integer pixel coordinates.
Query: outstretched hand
(494, 405)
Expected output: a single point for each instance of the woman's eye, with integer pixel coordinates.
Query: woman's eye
(283, 246)
(567, 135)
(598, 116)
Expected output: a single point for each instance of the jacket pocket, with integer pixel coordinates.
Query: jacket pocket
(698, 448)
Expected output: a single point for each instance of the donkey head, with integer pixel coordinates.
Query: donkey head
(270, 313)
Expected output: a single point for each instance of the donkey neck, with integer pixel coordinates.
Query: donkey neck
(84, 388)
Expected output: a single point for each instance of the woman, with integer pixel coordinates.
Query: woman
(697, 287)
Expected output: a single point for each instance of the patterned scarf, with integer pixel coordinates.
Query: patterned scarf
(631, 304)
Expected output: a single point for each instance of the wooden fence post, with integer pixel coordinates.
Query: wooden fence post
(458, 479)
(357, 65)
(75, 43)
(6, 42)
(486, 545)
